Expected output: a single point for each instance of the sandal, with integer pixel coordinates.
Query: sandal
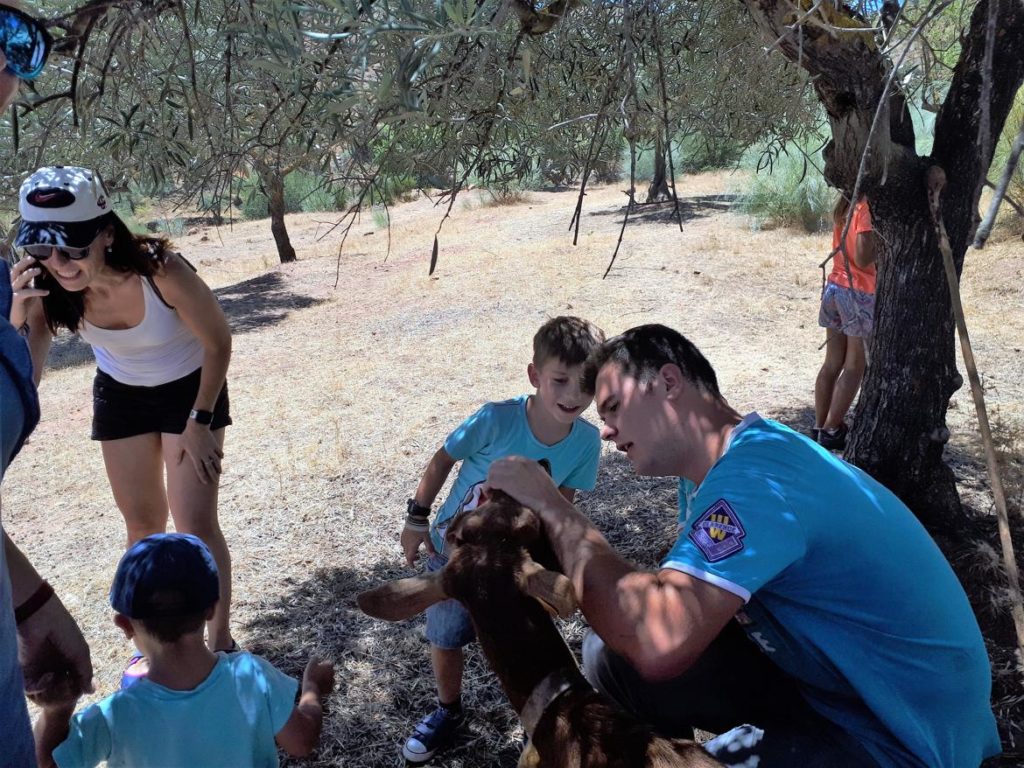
(233, 648)
(134, 671)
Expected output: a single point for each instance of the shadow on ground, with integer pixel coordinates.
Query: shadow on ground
(690, 208)
(385, 683)
(261, 302)
(250, 305)
(385, 678)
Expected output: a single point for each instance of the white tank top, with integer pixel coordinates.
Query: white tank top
(158, 350)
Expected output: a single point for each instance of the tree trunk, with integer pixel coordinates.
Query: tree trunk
(273, 185)
(900, 422)
(900, 428)
(659, 184)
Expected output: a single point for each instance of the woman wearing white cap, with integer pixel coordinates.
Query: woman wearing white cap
(162, 347)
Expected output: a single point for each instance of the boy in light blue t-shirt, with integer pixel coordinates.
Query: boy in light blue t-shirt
(194, 707)
(545, 425)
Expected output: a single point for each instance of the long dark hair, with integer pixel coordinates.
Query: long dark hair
(128, 253)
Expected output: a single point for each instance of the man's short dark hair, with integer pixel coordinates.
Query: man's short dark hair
(642, 351)
(569, 339)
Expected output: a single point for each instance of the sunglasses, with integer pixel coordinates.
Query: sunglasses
(43, 252)
(25, 43)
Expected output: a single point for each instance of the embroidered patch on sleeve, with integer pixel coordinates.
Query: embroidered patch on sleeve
(718, 533)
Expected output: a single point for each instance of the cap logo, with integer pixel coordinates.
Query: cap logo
(50, 197)
(101, 202)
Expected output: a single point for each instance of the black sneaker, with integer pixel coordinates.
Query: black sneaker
(834, 439)
(435, 732)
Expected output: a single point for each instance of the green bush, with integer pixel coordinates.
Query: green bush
(690, 154)
(303, 192)
(391, 189)
(788, 193)
(697, 153)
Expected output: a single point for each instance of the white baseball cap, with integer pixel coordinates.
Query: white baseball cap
(62, 205)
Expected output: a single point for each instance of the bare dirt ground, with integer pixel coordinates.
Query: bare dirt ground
(341, 395)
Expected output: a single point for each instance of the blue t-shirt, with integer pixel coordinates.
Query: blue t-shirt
(228, 720)
(846, 592)
(19, 412)
(500, 429)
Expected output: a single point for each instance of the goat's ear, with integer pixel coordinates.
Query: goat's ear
(402, 599)
(552, 589)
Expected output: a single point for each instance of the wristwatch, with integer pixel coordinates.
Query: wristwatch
(416, 510)
(201, 417)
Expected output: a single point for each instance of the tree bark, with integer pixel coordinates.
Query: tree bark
(659, 184)
(273, 185)
(900, 422)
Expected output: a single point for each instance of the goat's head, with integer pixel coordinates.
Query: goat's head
(497, 542)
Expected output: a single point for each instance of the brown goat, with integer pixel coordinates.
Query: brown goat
(494, 572)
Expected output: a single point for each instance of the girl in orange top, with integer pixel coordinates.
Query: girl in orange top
(847, 315)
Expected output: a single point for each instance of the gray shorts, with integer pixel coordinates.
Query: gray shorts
(448, 623)
(846, 310)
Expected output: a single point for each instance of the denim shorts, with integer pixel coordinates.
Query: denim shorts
(849, 311)
(448, 623)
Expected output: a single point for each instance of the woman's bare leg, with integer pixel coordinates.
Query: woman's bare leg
(194, 509)
(135, 469)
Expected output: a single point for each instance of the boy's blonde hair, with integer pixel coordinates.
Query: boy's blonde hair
(566, 338)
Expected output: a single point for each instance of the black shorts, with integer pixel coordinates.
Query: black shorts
(123, 410)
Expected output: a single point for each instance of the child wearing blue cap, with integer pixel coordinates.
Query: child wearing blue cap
(195, 706)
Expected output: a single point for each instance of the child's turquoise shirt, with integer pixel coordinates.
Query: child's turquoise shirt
(228, 720)
(500, 429)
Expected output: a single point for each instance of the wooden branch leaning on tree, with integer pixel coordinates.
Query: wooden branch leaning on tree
(936, 180)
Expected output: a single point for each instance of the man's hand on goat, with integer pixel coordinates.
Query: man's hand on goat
(526, 481)
(411, 540)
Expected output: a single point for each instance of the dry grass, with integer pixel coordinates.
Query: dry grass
(341, 395)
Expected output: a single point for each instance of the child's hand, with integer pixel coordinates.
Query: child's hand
(411, 540)
(319, 673)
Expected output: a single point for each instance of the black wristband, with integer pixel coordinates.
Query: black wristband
(35, 601)
(413, 509)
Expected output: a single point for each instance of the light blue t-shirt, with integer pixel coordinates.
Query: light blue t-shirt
(227, 721)
(847, 593)
(501, 429)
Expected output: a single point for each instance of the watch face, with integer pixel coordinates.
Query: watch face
(201, 417)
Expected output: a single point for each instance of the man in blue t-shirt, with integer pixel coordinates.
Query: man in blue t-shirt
(54, 655)
(865, 650)
(546, 425)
